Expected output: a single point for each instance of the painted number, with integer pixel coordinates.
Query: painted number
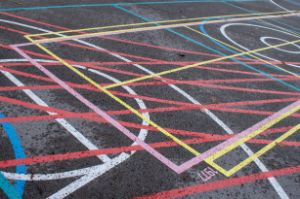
(207, 174)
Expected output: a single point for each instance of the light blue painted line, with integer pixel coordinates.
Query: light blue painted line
(168, 29)
(18, 151)
(8, 188)
(274, 21)
(211, 49)
(112, 4)
(202, 29)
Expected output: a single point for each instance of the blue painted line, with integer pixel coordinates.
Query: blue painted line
(18, 151)
(112, 4)
(211, 49)
(8, 188)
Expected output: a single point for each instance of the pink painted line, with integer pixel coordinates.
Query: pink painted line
(178, 169)
(100, 112)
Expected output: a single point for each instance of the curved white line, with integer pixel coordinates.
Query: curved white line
(265, 41)
(223, 31)
(79, 172)
(275, 184)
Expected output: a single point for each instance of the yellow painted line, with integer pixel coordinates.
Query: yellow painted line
(198, 64)
(209, 160)
(137, 113)
(130, 30)
(166, 133)
(156, 22)
(263, 150)
(255, 133)
(259, 153)
(237, 49)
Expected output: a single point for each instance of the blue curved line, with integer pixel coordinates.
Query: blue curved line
(203, 30)
(18, 151)
(8, 188)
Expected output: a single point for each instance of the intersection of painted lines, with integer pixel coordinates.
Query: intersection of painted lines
(208, 156)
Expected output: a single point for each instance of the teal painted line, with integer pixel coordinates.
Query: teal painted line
(202, 29)
(211, 49)
(290, 28)
(8, 188)
(121, 4)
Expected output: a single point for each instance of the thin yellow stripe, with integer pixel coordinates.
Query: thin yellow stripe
(156, 22)
(251, 55)
(255, 133)
(130, 30)
(175, 139)
(197, 64)
(262, 151)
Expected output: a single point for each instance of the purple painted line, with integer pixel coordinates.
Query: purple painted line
(178, 169)
(196, 160)
(100, 112)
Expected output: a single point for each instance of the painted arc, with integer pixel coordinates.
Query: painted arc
(18, 153)
(268, 41)
(224, 28)
(88, 170)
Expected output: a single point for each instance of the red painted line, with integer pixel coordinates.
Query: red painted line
(219, 107)
(33, 87)
(12, 30)
(97, 50)
(176, 63)
(32, 20)
(164, 101)
(156, 83)
(121, 40)
(209, 81)
(32, 105)
(290, 78)
(131, 42)
(135, 74)
(91, 116)
(221, 184)
(116, 150)
(24, 74)
(221, 87)
(31, 118)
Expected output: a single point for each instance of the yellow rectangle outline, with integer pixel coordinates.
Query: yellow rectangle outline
(208, 160)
